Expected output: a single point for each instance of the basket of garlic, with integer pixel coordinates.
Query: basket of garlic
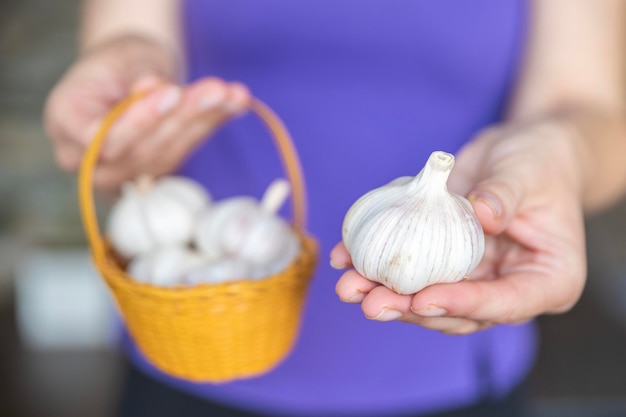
(202, 299)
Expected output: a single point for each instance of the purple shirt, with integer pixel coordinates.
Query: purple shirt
(368, 90)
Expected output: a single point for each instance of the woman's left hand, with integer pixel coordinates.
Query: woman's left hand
(525, 184)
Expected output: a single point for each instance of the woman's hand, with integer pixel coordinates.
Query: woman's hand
(157, 133)
(525, 184)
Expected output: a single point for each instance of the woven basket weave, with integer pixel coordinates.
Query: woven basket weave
(210, 332)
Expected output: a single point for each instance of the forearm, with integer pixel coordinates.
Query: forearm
(574, 74)
(157, 20)
(601, 134)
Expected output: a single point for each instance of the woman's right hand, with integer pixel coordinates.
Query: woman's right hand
(156, 133)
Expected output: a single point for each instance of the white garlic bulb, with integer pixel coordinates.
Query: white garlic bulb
(271, 241)
(279, 263)
(413, 232)
(165, 266)
(221, 229)
(224, 270)
(185, 190)
(243, 228)
(155, 213)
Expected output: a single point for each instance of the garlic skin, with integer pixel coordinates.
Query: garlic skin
(279, 263)
(413, 232)
(187, 191)
(224, 270)
(221, 229)
(155, 213)
(268, 241)
(165, 266)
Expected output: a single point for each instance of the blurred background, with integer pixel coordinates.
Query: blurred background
(58, 354)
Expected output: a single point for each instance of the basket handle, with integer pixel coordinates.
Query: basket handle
(280, 135)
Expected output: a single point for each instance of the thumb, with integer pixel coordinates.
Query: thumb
(496, 198)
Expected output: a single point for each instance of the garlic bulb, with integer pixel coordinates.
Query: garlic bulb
(279, 263)
(221, 229)
(165, 266)
(185, 190)
(155, 213)
(230, 269)
(251, 231)
(270, 241)
(413, 232)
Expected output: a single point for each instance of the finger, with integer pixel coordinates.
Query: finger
(216, 95)
(201, 111)
(448, 325)
(110, 176)
(494, 186)
(68, 157)
(239, 99)
(147, 83)
(75, 105)
(182, 138)
(382, 304)
(340, 257)
(469, 161)
(138, 119)
(496, 249)
(142, 118)
(497, 197)
(512, 298)
(352, 287)
(174, 152)
(68, 152)
(208, 94)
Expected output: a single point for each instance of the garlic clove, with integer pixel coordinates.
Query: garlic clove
(169, 220)
(413, 232)
(165, 266)
(220, 230)
(268, 241)
(170, 267)
(189, 192)
(140, 268)
(127, 228)
(281, 262)
(225, 270)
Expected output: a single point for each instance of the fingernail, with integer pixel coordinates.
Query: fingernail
(335, 265)
(387, 315)
(432, 310)
(168, 100)
(493, 203)
(230, 107)
(145, 83)
(357, 297)
(210, 100)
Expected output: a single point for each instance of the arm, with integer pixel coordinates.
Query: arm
(103, 20)
(575, 73)
(150, 29)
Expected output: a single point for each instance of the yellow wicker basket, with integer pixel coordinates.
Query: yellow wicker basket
(210, 332)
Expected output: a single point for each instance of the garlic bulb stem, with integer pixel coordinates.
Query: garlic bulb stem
(436, 171)
(275, 196)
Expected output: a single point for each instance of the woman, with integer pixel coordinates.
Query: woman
(528, 94)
